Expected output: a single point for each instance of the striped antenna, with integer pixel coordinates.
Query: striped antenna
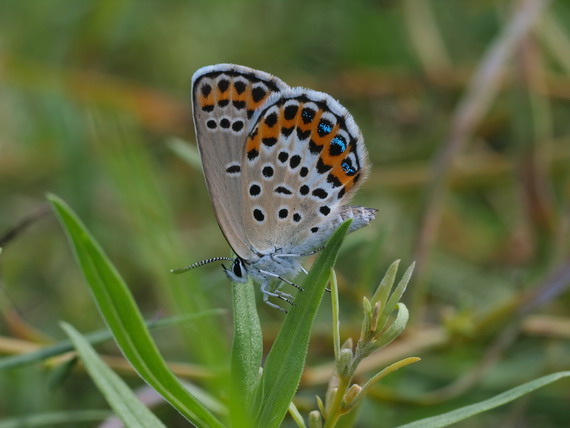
(200, 263)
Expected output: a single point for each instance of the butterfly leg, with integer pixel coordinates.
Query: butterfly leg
(266, 294)
(279, 277)
(285, 295)
(277, 293)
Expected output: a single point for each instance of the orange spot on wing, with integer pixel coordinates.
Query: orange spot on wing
(251, 103)
(272, 132)
(337, 170)
(253, 142)
(221, 96)
(235, 96)
(204, 101)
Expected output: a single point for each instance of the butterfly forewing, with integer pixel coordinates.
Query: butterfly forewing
(225, 98)
(303, 159)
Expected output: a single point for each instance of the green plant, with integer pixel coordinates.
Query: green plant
(377, 331)
(256, 398)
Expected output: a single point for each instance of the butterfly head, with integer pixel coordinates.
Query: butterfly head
(238, 271)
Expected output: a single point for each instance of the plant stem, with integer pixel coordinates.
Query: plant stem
(334, 413)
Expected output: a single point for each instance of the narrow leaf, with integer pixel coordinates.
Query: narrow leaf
(286, 359)
(335, 314)
(123, 401)
(463, 413)
(94, 338)
(186, 151)
(383, 290)
(120, 312)
(247, 351)
(396, 296)
(55, 419)
(395, 329)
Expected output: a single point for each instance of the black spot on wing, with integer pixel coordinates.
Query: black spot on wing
(290, 111)
(223, 85)
(314, 148)
(294, 161)
(233, 169)
(269, 141)
(287, 131)
(324, 128)
(237, 125)
(307, 115)
(322, 167)
(240, 86)
(271, 120)
(320, 193)
(303, 135)
(252, 154)
(258, 93)
(337, 145)
(258, 215)
(334, 180)
(283, 190)
(254, 190)
(206, 89)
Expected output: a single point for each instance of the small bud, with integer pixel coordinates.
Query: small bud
(367, 307)
(351, 397)
(375, 316)
(321, 405)
(331, 394)
(347, 344)
(315, 419)
(344, 363)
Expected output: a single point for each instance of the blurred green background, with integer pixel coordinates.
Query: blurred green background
(94, 107)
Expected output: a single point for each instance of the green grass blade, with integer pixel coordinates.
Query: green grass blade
(120, 312)
(462, 413)
(56, 419)
(121, 399)
(285, 362)
(186, 151)
(247, 351)
(94, 338)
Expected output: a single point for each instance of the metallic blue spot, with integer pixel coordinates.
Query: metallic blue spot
(325, 128)
(349, 169)
(339, 143)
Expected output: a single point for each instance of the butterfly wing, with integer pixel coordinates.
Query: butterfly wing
(225, 98)
(304, 158)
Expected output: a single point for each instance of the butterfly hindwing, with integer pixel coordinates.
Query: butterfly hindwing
(225, 97)
(303, 159)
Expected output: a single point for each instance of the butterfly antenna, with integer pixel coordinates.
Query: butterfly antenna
(200, 263)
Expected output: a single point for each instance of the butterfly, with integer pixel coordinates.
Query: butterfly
(280, 164)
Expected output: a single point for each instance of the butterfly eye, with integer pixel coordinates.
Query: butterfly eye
(238, 268)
